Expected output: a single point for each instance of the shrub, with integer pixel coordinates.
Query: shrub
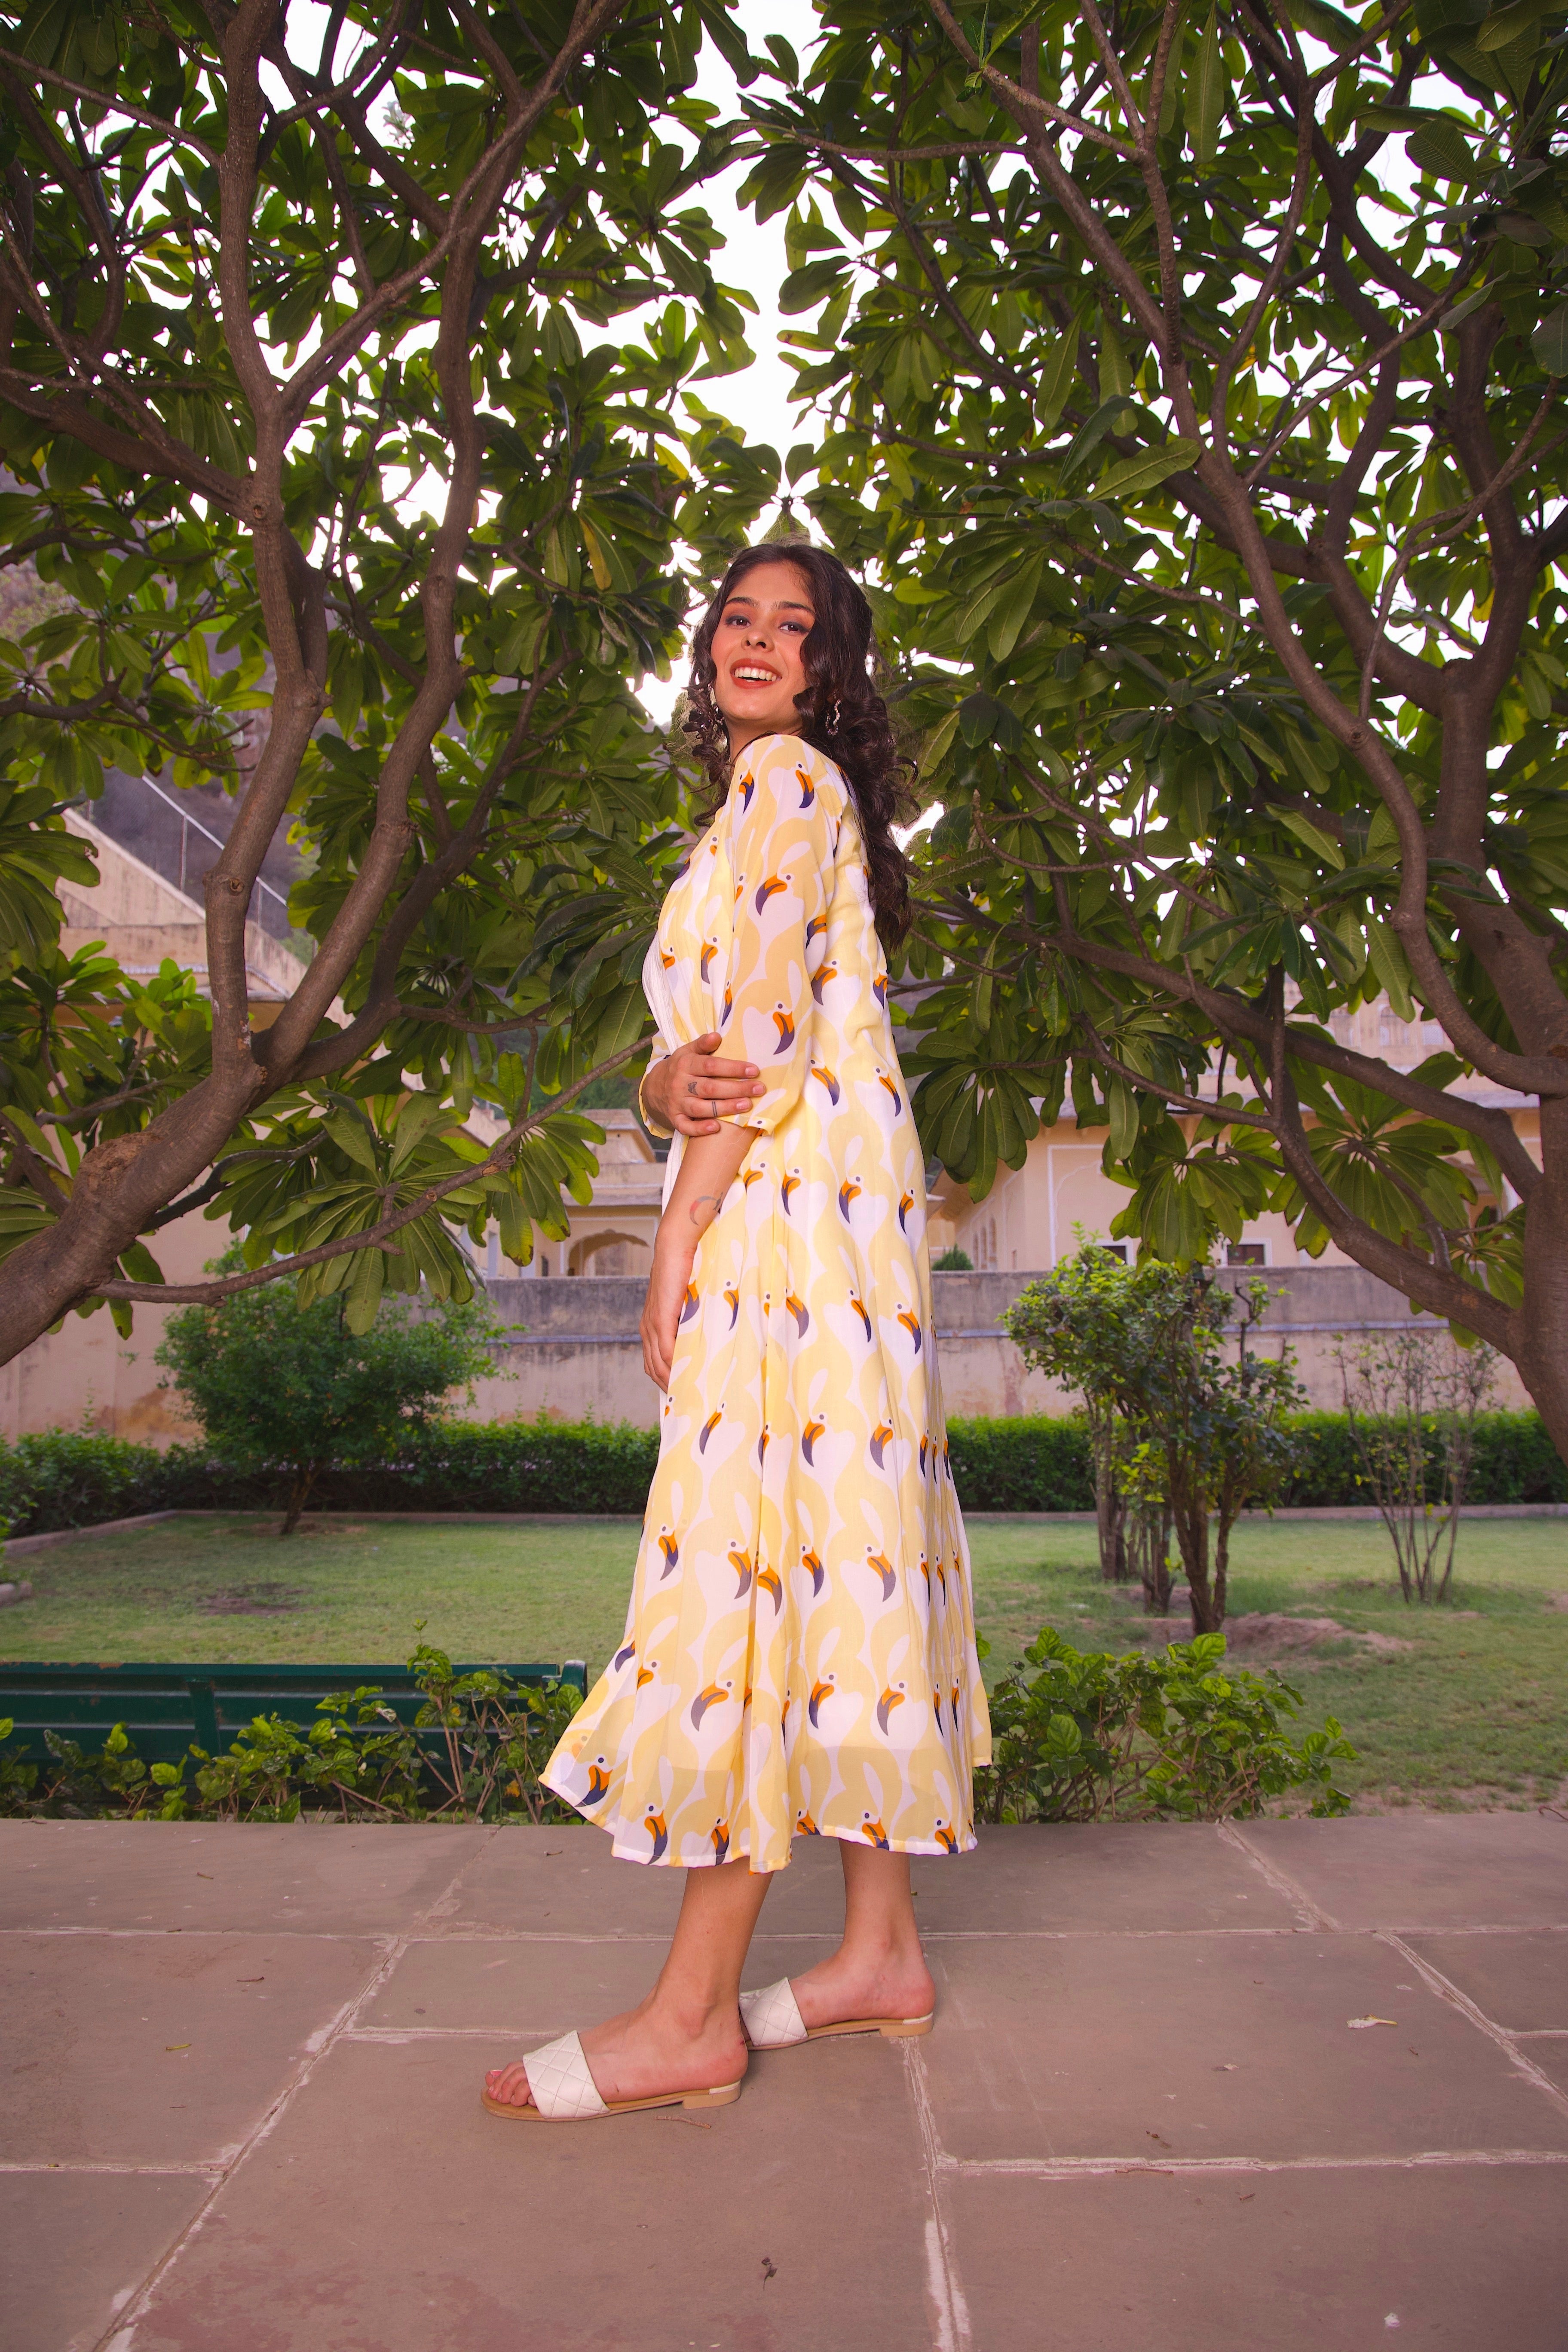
(1179, 1738)
(74, 1478)
(473, 1753)
(295, 1388)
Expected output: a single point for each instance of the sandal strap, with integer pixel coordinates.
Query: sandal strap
(772, 2018)
(564, 2089)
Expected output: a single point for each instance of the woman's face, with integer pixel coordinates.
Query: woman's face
(758, 653)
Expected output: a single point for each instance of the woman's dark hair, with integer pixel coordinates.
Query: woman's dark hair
(841, 714)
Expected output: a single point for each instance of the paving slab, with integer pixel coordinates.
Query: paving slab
(1144, 2118)
(1551, 2056)
(1414, 1870)
(1299, 2262)
(1520, 1981)
(144, 2048)
(74, 2247)
(1218, 2046)
(749, 2227)
(1131, 1877)
(364, 1880)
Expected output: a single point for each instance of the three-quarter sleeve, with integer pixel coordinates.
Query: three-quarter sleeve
(783, 818)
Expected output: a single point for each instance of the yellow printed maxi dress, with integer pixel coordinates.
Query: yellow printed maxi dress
(799, 1654)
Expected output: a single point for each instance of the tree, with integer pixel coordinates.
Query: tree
(1411, 1400)
(278, 1386)
(1183, 1437)
(332, 505)
(1192, 378)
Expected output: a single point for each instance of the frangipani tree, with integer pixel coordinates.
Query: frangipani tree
(1193, 378)
(337, 507)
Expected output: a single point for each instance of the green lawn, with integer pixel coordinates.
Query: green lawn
(1476, 1710)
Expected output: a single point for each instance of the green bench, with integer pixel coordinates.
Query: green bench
(166, 1708)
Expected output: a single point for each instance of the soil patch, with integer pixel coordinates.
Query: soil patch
(252, 1601)
(1263, 1634)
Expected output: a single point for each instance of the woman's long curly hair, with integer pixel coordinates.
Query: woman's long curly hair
(841, 715)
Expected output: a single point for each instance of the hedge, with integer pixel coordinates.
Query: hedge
(72, 1478)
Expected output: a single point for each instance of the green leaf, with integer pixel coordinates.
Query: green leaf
(1549, 342)
(1441, 148)
(1504, 26)
(1206, 85)
(1131, 477)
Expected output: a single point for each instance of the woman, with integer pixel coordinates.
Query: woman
(799, 1654)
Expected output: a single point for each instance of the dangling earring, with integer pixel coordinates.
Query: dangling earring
(833, 716)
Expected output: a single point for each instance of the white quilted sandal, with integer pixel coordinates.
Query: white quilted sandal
(564, 2091)
(773, 2020)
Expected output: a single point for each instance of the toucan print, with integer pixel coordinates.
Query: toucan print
(798, 1309)
(879, 1437)
(906, 1203)
(808, 1560)
(808, 1437)
(848, 1190)
(709, 1426)
(740, 1561)
(710, 1694)
(657, 1830)
(670, 1547)
(820, 1693)
(784, 1022)
(820, 978)
(860, 1308)
(880, 1565)
(890, 1699)
(873, 1832)
(768, 1582)
(912, 1324)
(770, 889)
(829, 1080)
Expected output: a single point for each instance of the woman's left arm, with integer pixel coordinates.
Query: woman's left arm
(709, 1166)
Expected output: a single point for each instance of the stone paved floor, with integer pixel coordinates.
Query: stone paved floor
(242, 2068)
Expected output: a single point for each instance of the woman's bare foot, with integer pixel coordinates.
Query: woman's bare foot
(859, 1983)
(647, 2052)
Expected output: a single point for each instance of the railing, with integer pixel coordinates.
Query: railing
(188, 824)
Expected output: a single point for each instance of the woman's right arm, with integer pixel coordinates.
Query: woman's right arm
(684, 1091)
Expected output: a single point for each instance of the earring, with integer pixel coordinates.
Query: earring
(833, 716)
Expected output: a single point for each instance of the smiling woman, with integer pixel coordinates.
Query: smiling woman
(799, 1655)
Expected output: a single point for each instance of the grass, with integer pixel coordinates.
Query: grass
(1474, 1710)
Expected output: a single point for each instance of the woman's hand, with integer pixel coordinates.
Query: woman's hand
(687, 1090)
(672, 1262)
(708, 1169)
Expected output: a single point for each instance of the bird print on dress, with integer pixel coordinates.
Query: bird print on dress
(798, 1658)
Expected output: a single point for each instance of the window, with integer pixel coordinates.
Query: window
(1117, 1250)
(1247, 1253)
(986, 1247)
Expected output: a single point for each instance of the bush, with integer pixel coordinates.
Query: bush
(74, 1478)
(485, 1740)
(1087, 1738)
(1043, 1464)
(1180, 1737)
(280, 1381)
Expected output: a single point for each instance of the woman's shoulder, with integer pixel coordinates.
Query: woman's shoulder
(782, 755)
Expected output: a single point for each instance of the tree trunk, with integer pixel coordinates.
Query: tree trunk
(300, 1487)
